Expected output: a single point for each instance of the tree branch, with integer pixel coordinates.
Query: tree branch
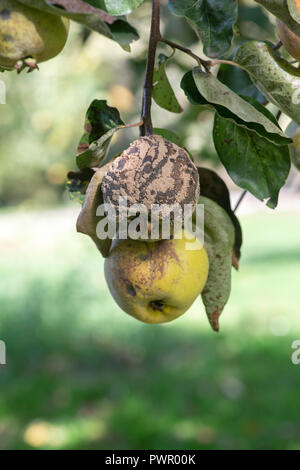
(147, 128)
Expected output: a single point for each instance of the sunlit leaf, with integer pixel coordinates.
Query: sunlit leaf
(278, 80)
(205, 89)
(213, 21)
(163, 93)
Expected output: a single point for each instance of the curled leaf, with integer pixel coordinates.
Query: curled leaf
(213, 187)
(96, 152)
(204, 89)
(87, 220)
(102, 121)
(219, 241)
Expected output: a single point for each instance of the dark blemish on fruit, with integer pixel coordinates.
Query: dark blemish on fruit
(7, 38)
(145, 257)
(5, 14)
(131, 290)
(157, 305)
(121, 164)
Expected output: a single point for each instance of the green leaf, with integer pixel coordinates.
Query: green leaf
(97, 151)
(253, 162)
(239, 81)
(282, 10)
(163, 93)
(213, 21)
(123, 33)
(213, 187)
(100, 118)
(115, 28)
(278, 80)
(219, 241)
(254, 22)
(102, 121)
(113, 7)
(204, 89)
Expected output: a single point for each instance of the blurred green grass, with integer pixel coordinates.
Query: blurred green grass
(81, 374)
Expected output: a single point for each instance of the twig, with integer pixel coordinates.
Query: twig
(204, 63)
(277, 46)
(136, 124)
(240, 200)
(229, 62)
(147, 128)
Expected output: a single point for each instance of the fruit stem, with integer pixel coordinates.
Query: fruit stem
(147, 128)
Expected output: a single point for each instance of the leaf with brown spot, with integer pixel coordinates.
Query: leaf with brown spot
(101, 122)
(206, 90)
(219, 242)
(213, 187)
(276, 78)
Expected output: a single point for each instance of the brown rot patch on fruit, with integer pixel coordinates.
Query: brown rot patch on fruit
(5, 14)
(157, 305)
(152, 171)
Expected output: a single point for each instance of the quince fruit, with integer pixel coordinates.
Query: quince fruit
(156, 282)
(29, 36)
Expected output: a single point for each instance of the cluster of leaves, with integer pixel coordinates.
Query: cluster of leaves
(100, 16)
(247, 137)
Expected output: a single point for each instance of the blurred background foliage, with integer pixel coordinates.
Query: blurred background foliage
(80, 374)
(42, 122)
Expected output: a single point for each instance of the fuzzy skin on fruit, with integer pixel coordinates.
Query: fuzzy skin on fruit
(27, 32)
(156, 282)
(152, 171)
(289, 39)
